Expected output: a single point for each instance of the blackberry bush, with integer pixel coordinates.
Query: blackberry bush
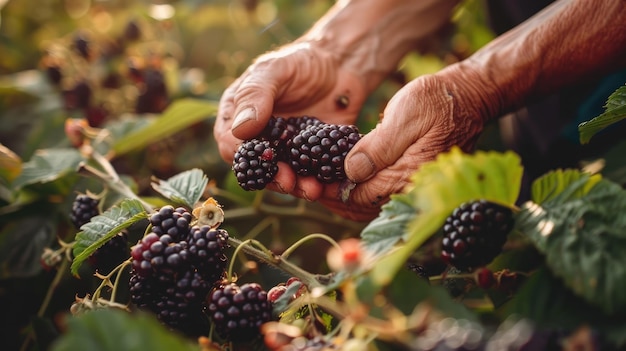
(255, 164)
(239, 311)
(474, 234)
(84, 208)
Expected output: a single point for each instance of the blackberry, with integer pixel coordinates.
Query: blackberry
(320, 150)
(160, 256)
(82, 46)
(180, 304)
(303, 122)
(255, 164)
(84, 208)
(206, 246)
(177, 304)
(172, 221)
(78, 97)
(144, 291)
(278, 132)
(111, 254)
(132, 31)
(54, 74)
(238, 312)
(153, 97)
(473, 235)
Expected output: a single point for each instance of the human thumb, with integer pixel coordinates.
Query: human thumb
(385, 144)
(253, 109)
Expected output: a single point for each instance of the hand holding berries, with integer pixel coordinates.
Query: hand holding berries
(308, 146)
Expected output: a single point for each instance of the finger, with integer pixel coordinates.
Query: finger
(407, 118)
(227, 143)
(284, 181)
(255, 97)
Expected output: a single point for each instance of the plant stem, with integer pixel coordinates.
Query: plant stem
(115, 183)
(295, 245)
(266, 256)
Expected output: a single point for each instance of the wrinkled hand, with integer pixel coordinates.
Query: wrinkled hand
(298, 79)
(424, 118)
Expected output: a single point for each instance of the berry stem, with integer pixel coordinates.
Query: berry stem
(106, 280)
(115, 183)
(267, 256)
(298, 243)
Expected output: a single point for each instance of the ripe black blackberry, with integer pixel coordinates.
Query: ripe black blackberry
(144, 290)
(153, 96)
(255, 164)
(172, 221)
(160, 256)
(82, 45)
(238, 312)
(111, 254)
(78, 97)
(177, 304)
(84, 208)
(303, 122)
(320, 150)
(181, 303)
(206, 247)
(278, 132)
(473, 235)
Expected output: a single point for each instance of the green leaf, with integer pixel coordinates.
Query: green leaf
(116, 330)
(103, 227)
(178, 116)
(554, 183)
(10, 165)
(583, 239)
(22, 241)
(408, 290)
(47, 165)
(615, 111)
(385, 231)
(549, 304)
(440, 186)
(185, 188)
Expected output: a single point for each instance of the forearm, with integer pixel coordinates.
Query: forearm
(370, 37)
(567, 42)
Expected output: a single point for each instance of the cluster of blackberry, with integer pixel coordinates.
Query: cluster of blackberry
(309, 146)
(175, 266)
(473, 235)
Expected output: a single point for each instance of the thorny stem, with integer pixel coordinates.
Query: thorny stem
(268, 257)
(106, 280)
(117, 279)
(298, 243)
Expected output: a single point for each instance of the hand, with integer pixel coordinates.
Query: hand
(298, 79)
(424, 118)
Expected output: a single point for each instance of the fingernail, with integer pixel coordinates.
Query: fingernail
(244, 116)
(360, 167)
